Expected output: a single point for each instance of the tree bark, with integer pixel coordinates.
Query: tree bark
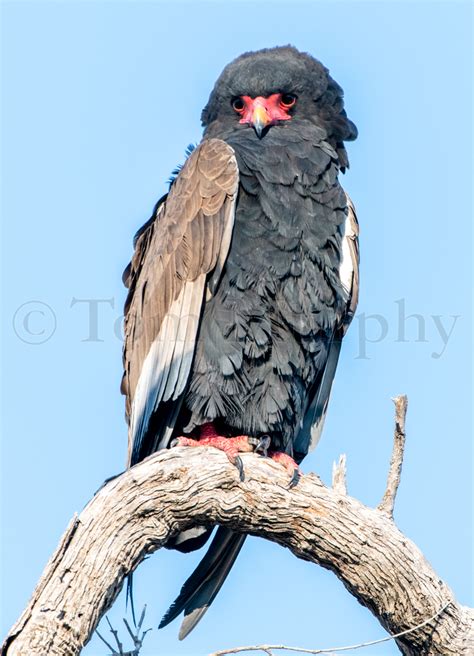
(136, 513)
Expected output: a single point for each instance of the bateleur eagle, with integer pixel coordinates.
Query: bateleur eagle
(242, 285)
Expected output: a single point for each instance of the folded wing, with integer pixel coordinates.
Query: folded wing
(178, 259)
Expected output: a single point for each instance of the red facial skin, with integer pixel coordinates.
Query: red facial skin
(273, 106)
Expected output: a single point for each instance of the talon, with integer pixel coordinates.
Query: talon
(240, 467)
(295, 478)
(289, 464)
(183, 441)
(263, 445)
(231, 446)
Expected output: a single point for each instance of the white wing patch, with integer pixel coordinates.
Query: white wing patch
(346, 268)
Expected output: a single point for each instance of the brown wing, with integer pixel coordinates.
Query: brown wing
(184, 247)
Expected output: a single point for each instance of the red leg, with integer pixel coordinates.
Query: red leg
(289, 464)
(232, 446)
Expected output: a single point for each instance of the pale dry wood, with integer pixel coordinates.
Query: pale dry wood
(339, 475)
(394, 473)
(136, 513)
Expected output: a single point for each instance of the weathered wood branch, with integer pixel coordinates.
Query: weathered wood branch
(270, 649)
(395, 471)
(136, 513)
(339, 483)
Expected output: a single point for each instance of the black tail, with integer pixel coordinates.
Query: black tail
(200, 589)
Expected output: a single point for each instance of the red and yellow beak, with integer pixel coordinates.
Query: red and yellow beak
(260, 118)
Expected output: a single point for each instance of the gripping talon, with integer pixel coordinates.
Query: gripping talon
(289, 464)
(263, 445)
(240, 467)
(295, 478)
(183, 441)
(231, 446)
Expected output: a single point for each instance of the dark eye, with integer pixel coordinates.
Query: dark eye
(238, 105)
(287, 100)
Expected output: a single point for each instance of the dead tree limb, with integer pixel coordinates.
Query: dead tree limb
(339, 483)
(395, 471)
(136, 513)
(331, 651)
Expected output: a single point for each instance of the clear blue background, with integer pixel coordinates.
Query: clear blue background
(100, 101)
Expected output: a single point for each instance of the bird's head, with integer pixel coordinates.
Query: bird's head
(276, 88)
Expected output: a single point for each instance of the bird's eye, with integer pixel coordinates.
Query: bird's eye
(238, 105)
(287, 100)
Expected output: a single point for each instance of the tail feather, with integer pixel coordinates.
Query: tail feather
(200, 589)
(129, 598)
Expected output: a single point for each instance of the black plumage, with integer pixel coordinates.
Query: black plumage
(280, 296)
(257, 243)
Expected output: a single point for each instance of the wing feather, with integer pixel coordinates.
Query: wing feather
(191, 294)
(188, 239)
(313, 422)
(189, 344)
(349, 270)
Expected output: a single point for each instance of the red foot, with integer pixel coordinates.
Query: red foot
(231, 446)
(289, 464)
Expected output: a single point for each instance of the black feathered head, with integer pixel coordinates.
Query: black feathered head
(271, 86)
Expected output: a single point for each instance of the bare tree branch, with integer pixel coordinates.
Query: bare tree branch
(394, 473)
(137, 639)
(136, 513)
(269, 649)
(107, 644)
(114, 632)
(339, 475)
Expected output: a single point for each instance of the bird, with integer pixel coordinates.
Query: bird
(242, 285)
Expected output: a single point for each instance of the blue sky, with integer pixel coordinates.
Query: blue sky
(100, 101)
